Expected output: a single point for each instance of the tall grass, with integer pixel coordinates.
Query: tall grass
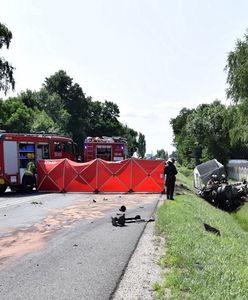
(185, 177)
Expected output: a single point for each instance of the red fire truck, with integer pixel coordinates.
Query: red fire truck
(107, 148)
(17, 149)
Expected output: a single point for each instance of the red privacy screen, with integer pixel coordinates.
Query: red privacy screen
(131, 175)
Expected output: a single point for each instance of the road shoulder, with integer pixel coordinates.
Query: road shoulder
(143, 270)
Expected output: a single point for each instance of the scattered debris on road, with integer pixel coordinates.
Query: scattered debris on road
(35, 203)
(121, 220)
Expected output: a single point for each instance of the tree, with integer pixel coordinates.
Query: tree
(103, 119)
(161, 154)
(237, 79)
(73, 101)
(59, 83)
(48, 107)
(43, 122)
(141, 145)
(236, 120)
(6, 69)
(16, 116)
(174, 154)
(182, 142)
(237, 71)
(60, 106)
(131, 137)
(202, 134)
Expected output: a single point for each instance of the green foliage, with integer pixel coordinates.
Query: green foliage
(201, 264)
(71, 98)
(201, 134)
(185, 177)
(242, 216)
(103, 119)
(174, 154)
(48, 107)
(131, 137)
(237, 80)
(238, 118)
(185, 171)
(60, 106)
(214, 130)
(43, 122)
(30, 99)
(15, 116)
(59, 83)
(179, 122)
(6, 70)
(141, 145)
(162, 154)
(237, 71)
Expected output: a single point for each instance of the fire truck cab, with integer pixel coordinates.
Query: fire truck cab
(17, 149)
(107, 148)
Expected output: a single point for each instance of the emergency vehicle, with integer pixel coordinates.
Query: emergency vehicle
(107, 148)
(17, 149)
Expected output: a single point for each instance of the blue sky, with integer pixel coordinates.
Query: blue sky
(151, 58)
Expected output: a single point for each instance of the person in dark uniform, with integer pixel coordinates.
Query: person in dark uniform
(170, 172)
(29, 179)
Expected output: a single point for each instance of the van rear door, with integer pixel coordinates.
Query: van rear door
(11, 168)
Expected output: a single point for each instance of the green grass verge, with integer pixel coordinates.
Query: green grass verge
(185, 176)
(242, 216)
(201, 264)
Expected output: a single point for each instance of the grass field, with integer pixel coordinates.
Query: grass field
(242, 217)
(201, 264)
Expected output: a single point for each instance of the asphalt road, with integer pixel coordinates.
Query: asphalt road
(63, 246)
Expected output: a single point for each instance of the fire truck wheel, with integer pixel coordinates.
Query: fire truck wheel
(28, 183)
(3, 188)
(28, 188)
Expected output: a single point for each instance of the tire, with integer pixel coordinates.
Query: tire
(3, 188)
(28, 183)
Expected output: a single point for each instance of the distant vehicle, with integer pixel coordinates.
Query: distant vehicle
(107, 148)
(17, 149)
(149, 156)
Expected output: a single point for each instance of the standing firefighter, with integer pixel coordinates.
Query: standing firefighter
(29, 179)
(170, 172)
